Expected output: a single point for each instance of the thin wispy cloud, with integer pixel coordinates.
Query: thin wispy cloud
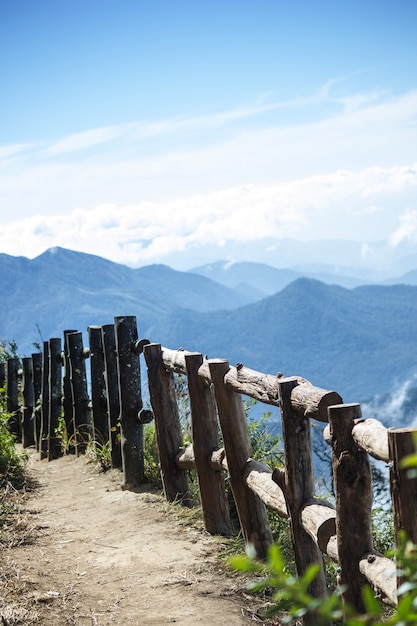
(356, 108)
(81, 141)
(11, 153)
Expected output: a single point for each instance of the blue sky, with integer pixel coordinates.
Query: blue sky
(145, 131)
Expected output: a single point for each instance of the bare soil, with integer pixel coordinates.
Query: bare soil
(84, 552)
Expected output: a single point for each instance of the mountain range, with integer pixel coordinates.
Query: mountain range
(358, 339)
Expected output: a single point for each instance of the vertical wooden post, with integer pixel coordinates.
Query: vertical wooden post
(167, 425)
(98, 385)
(2, 374)
(44, 427)
(252, 513)
(79, 393)
(401, 443)
(55, 398)
(205, 441)
(353, 485)
(297, 484)
(12, 390)
(112, 392)
(130, 394)
(28, 431)
(67, 397)
(37, 390)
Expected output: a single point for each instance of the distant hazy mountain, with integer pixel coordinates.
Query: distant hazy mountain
(359, 342)
(64, 289)
(409, 278)
(370, 261)
(264, 280)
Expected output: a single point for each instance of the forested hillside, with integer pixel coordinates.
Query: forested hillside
(359, 342)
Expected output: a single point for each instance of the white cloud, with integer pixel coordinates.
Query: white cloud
(13, 150)
(334, 205)
(407, 229)
(150, 188)
(81, 141)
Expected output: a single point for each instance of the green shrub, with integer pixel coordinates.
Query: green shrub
(292, 601)
(12, 464)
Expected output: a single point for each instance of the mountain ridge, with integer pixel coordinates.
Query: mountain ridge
(356, 341)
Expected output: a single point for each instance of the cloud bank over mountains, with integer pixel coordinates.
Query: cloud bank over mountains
(343, 205)
(328, 165)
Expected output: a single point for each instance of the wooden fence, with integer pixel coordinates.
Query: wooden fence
(115, 413)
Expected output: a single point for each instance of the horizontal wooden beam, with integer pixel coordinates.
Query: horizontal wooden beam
(306, 399)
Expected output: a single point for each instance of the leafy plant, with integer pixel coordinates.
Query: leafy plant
(61, 433)
(8, 349)
(266, 444)
(150, 454)
(292, 600)
(98, 450)
(383, 530)
(12, 464)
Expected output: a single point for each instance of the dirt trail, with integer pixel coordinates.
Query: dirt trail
(103, 556)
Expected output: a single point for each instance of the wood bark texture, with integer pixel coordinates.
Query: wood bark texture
(44, 428)
(55, 398)
(372, 436)
(204, 430)
(167, 425)
(353, 485)
(130, 395)
(28, 430)
(297, 483)
(37, 391)
(403, 486)
(310, 401)
(98, 385)
(67, 390)
(12, 401)
(79, 392)
(252, 513)
(382, 574)
(112, 393)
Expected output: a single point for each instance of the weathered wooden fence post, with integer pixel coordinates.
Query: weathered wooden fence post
(353, 485)
(112, 393)
(12, 403)
(28, 430)
(401, 442)
(205, 441)
(98, 385)
(55, 398)
(297, 484)
(79, 392)
(37, 391)
(2, 374)
(252, 513)
(67, 397)
(167, 426)
(130, 394)
(44, 427)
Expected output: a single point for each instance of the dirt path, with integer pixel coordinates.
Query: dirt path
(103, 556)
